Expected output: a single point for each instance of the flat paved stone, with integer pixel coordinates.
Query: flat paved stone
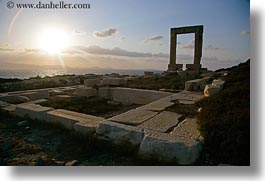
(133, 117)
(159, 105)
(162, 122)
(187, 128)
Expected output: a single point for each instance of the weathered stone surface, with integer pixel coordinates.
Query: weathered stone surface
(39, 101)
(85, 91)
(218, 83)
(158, 105)
(185, 96)
(34, 111)
(63, 97)
(3, 104)
(187, 128)
(195, 85)
(23, 123)
(92, 82)
(55, 92)
(14, 99)
(113, 81)
(42, 94)
(193, 67)
(162, 122)
(133, 117)
(120, 133)
(169, 148)
(79, 122)
(210, 90)
(71, 163)
(137, 96)
(105, 92)
(9, 109)
(130, 78)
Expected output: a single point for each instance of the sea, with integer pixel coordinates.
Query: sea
(24, 74)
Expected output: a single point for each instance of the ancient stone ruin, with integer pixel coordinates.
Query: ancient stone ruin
(196, 66)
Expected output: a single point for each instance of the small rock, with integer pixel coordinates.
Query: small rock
(22, 123)
(71, 163)
(59, 163)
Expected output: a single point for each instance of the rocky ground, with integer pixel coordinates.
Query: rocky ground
(24, 142)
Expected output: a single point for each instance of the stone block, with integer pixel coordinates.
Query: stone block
(63, 98)
(218, 83)
(14, 99)
(92, 82)
(120, 133)
(33, 111)
(175, 66)
(105, 92)
(162, 122)
(85, 91)
(3, 104)
(136, 96)
(195, 85)
(113, 81)
(42, 94)
(187, 128)
(10, 109)
(169, 148)
(79, 122)
(210, 90)
(158, 105)
(133, 117)
(194, 67)
(55, 92)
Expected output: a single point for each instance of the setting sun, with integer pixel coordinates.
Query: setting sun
(53, 41)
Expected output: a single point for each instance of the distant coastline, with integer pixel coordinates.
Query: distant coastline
(24, 74)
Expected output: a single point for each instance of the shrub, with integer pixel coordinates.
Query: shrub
(225, 119)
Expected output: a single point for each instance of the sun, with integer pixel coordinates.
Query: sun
(53, 41)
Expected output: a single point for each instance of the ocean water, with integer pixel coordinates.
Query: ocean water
(24, 74)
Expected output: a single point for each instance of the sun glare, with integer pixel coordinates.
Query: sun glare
(53, 41)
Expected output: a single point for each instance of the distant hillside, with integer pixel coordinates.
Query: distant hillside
(225, 118)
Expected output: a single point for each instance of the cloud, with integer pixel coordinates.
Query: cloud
(114, 52)
(153, 38)
(33, 50)
(210, 47)
(79, 33)
(5, 47)
(191, 45)
(244, 33)
(122, 38)
(105, 33)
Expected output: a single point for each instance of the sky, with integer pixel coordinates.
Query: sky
(122, 34)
